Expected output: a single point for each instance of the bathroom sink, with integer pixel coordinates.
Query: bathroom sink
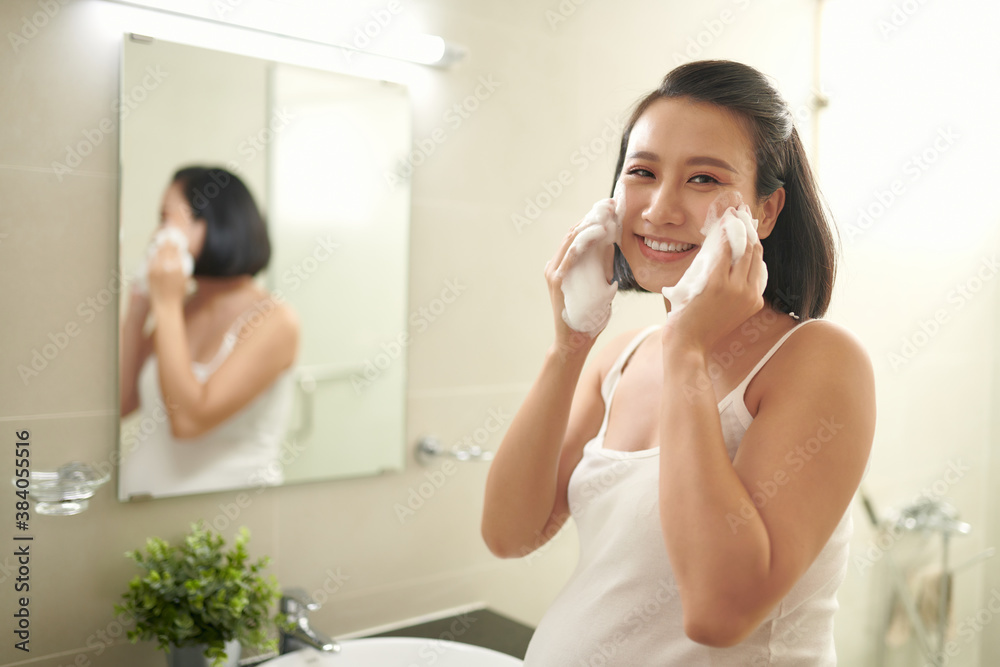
(397, 652)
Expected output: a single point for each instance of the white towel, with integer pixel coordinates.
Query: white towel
(166, 235)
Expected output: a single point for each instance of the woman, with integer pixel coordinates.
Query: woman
(712, 494)
(215, 374)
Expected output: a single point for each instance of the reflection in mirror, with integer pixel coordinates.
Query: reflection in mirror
(270, 355)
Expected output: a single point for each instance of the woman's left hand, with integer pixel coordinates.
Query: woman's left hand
(731, 296)
(167, 281)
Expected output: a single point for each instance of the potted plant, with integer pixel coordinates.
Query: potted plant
(199, 601)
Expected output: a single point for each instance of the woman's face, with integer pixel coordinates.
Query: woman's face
(176, 212)
(681, 156)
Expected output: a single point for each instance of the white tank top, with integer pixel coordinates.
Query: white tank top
(621, 606)
(243, 451)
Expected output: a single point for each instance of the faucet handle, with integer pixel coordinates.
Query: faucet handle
(295, 601)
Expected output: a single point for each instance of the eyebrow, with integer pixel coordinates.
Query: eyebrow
(691, 162)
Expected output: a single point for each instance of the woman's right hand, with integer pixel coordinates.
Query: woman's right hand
(568, 340)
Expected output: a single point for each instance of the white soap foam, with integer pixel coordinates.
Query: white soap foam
(586, 292)
(739, 226)
(168, 234)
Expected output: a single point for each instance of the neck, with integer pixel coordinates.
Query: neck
(211, 287)
(767, 324)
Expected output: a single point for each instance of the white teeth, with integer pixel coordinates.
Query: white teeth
(668, 247)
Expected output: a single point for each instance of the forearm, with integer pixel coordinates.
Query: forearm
(521, 486)
(718, 563)
(182, 393)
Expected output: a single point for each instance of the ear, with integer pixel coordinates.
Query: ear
(769, 212)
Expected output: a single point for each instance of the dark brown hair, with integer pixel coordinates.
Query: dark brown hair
(800, 252)
(236, 238)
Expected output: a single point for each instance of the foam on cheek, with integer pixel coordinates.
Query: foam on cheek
(739, 226)
(586, 292)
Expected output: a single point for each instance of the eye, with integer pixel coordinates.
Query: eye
(711, 179)
(639, 171)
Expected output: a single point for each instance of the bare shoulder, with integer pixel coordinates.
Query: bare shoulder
(273, 325)
(823, 354)
(287, 319)
(823, 340)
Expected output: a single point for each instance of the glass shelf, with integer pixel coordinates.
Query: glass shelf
(66, 491)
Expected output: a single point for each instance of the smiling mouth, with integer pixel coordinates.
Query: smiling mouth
(667, 246)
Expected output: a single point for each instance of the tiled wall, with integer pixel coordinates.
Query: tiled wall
(562, 75)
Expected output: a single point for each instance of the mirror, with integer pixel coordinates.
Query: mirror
(313, 149)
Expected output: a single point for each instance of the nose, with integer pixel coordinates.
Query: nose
(664, 206)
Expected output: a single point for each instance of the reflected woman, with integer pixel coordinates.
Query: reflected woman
(213, 380)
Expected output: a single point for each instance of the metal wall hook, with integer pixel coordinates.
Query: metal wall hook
(430, 449)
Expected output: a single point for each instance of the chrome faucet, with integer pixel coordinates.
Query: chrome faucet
(296, 605)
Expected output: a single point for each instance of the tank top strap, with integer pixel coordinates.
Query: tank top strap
(741, 388)
(615, 372)
(228, 342)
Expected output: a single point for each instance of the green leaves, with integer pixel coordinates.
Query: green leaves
(199, 593)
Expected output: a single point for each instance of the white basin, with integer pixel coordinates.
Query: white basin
(397, 652)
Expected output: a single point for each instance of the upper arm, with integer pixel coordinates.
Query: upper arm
(262, 353)
(803, 455)
(585, 418)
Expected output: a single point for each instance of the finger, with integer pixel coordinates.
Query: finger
(757, 268)
(721, 269)
(553, 264)
(743, 264)
(609, 262)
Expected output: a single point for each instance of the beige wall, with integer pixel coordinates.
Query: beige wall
(559, 87)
